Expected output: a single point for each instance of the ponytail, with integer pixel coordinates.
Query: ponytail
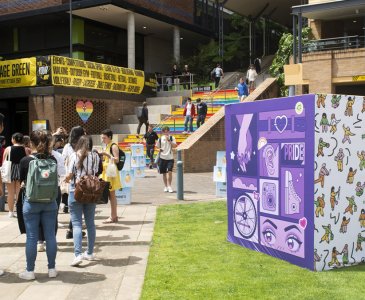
(42, 141)
(18, 137)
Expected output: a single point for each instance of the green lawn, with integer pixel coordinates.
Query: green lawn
(191, 259)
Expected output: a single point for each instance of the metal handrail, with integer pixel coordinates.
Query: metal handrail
(190, 82)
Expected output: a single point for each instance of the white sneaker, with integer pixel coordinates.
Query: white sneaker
(87, 256)
(1, 272)
(185, 132)
(166, 189)
(62, 206)
(27, 275)
(11, 214)
(60, 225)
(76, 261)
(170, 189)
(52, 273)
(40, 247)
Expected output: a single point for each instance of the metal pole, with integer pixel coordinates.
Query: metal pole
(180, 176)
(300, 38)
(294, 39)
(71, 29)
(264, 36)
(222, 33)
(291, 90)
(250, 41)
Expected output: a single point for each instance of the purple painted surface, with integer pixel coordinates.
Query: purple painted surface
(255, 135)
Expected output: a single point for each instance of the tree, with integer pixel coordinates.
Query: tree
(282, 57)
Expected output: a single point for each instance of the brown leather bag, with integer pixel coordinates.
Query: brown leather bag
(89, 189)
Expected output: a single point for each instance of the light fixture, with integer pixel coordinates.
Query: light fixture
(354, 21)
(144, 27)
(181, 38)
(363, 28)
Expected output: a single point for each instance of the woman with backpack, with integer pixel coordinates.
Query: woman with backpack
(39, 210)
(16, 153)
(82, 162)
(75, 134)
(111, 151)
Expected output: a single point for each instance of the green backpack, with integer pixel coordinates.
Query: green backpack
(42, 180)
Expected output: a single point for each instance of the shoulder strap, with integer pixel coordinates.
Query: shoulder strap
(111, 150)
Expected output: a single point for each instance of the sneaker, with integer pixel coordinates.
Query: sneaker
(27, 275)
(76, 261)
(87, 256)
(65, 210)
(83, 234)
(1, 272)
(170, 189)
(166, 189)
(11, 214)
(150, 166)
(52, 273)
(60, 225)
(69, 234)
(40, 247)
(185, 132)
(292, 200)
(62, 206)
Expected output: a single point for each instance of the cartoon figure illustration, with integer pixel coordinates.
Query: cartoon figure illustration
(350, 176)
(339, 158)
(334, 123)
(316, 259)
(347, 134)
(320, 205)
(362, 159)
(244, 150)
(335, 101)
(344, 223)
(359, 189)
(321, 144)
(349, 104)
(345, 255)
(324, 122)
(334, 257)
(323, 172)
(362, 218)
(326, 237)
(363, 105)
(360, 239)
(333, 197)
(351, 204)
(321, 98)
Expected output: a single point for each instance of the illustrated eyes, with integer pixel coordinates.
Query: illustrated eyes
(293, 243)
(269, 236)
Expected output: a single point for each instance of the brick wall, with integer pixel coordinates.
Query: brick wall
(182, 10)
(198, 151)
(60, 110)
(15, 6)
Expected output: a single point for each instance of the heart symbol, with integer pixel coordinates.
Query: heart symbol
(256, 195)
(303, 223)
(84, 110)
(281, 122)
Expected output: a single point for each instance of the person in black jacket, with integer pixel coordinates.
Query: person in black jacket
(202, 109)
(150, 139)
(144, 119)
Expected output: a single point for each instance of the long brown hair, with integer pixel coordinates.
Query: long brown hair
(42, 141)
(84, 145)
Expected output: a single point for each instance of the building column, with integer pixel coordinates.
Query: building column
(131, 41)
(176, 40)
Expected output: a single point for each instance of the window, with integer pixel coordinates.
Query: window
(6, 40)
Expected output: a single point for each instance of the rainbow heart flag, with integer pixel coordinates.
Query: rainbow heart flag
(84, 110)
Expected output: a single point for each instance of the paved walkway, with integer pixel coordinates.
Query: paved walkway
(121, 249)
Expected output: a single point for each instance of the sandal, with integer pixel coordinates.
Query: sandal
(110, 220)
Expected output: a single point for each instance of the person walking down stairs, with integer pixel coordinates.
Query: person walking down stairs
(150, 139)
(202, 110)
(142, 119)
(189, 114)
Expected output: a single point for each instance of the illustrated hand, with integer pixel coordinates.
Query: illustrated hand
(244, 149)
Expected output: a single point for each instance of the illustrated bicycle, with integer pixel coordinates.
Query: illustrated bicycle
(245, 216)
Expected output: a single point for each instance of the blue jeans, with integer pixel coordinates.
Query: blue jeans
(190, 120)
(33, 213)
(76, 210)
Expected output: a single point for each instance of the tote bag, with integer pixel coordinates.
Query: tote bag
(6, 168)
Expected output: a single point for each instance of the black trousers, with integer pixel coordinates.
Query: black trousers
(41, 237)
(200, 120)
(186, 85)
(141, 122)
(150, 150)
(217, 79)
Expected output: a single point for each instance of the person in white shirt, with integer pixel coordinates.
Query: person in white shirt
(251, 76)
(218, 74)
(168, 83)
(166, 162)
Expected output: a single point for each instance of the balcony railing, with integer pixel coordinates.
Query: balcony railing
(339, 43)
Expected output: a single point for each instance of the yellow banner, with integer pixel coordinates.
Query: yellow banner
(18, 73)
(85, 74)
(358, 78)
